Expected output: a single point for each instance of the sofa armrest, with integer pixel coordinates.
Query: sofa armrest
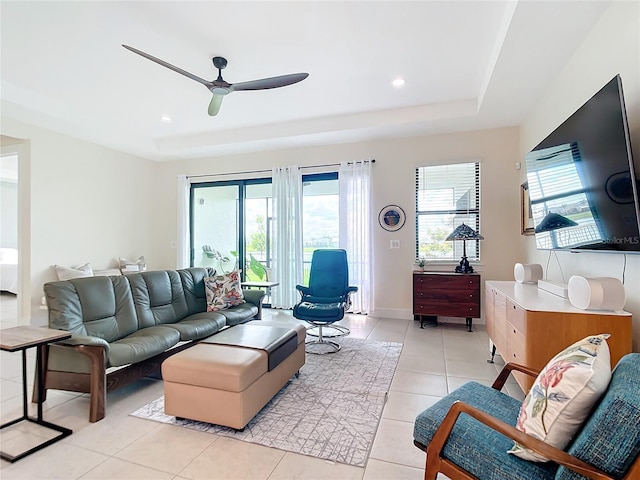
(254, 296)
(506, 371)
(434, 449)
(85, 340)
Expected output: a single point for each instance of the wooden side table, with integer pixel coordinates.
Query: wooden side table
(446, 294)
(20, 339)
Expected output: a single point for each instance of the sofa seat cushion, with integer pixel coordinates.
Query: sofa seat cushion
(199, 325)
(474, 446)
(141, 345)
(239, 314)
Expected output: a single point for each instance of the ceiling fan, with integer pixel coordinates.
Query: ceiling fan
(219, 87)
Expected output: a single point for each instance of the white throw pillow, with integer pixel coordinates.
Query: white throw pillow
(132, 266)
(67, 273)
(563, 394)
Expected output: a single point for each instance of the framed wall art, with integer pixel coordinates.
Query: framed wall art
(526, 216)
(392, 218)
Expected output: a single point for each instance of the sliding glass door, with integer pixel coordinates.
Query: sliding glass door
(215, 225)
(231, 223)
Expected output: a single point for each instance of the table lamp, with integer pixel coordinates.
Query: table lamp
(554, 221)
(464, 232)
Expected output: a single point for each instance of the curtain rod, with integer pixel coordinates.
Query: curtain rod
(269, 171)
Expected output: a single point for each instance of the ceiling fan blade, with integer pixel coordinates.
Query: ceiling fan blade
(272, 82)
(168, 65)
(214, 105)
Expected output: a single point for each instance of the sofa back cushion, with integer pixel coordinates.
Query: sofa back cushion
(193, 285)
(610, 438)
(158, 296)
(98, 306)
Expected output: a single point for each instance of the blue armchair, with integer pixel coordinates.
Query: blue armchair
(326, 298)
(467, 434)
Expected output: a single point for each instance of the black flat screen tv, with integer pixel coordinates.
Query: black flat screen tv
(581, 180)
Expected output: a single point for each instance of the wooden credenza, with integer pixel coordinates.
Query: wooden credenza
(447, 295)
(529, 326)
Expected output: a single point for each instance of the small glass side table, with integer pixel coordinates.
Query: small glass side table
(20, 339)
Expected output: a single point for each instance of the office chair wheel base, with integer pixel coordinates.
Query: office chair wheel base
(321, 347)
(330, 331)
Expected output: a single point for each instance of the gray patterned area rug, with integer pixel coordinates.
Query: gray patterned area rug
(331, 411)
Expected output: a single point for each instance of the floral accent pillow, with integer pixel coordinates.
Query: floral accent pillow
(563, 394)
(223, 291)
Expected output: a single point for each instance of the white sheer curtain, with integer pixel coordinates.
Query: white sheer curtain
(355, 230)
(287, 235)
(182, 239)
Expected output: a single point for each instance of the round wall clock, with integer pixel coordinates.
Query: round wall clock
(392, 218)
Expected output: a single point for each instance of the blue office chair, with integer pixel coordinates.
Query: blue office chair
(326, 298)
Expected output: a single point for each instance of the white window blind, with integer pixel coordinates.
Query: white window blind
(446, 196)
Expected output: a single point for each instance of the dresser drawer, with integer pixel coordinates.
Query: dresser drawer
(516, 345)
(516, 316)
(446, 308)
(446, 282)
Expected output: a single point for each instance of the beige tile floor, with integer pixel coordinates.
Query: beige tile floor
(434, 361)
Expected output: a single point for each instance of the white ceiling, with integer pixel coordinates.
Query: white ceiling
(467, 65)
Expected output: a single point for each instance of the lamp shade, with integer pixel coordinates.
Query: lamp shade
(554, 221)
(464, 232)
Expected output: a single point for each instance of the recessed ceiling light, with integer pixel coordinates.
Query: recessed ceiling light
(165, 119)
(398, 82)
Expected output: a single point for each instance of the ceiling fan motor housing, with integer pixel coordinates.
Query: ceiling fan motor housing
(219, 62)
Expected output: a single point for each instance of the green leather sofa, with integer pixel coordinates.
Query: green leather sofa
(123, 327)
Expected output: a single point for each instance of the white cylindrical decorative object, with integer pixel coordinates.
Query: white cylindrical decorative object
(527, 273)
(602, 293)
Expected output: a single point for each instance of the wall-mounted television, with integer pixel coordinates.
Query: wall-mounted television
(581, 180)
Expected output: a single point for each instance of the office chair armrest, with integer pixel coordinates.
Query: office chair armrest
(303, 290)
(351, 289)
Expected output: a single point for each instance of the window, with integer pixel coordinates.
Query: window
(446, 196)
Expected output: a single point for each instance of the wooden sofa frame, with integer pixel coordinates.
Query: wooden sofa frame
(98, 383)
(437, 463)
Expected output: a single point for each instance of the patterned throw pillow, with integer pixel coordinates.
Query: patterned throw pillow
(563, 394)
(223, 291)
(67, 273)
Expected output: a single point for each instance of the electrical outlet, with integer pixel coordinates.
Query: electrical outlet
(173, 244)
(395, 244)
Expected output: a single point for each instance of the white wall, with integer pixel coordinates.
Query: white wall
(8, 214)
(393, 183)
(613, 47)
(87, 203)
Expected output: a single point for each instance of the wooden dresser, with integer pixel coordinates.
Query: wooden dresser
(447, 295)
(529, 326)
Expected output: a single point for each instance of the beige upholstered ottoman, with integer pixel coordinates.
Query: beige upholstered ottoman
(229, 377)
